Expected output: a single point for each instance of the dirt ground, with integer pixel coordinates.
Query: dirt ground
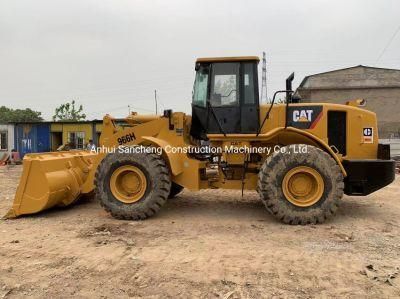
(209, 244)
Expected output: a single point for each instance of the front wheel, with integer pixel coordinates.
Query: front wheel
(301, 184)
(132, 186)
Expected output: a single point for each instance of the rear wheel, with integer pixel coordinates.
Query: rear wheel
(301, 188)
(132, 186)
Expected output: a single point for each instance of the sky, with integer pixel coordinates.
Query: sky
(108, 54)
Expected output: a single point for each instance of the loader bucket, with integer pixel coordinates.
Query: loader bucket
(52, 179)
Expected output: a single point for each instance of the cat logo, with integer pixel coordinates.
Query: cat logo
(368, 135)
(302, 115)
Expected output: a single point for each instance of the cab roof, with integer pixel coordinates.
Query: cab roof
(228, 59)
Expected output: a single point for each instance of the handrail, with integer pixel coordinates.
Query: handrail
(270, 108)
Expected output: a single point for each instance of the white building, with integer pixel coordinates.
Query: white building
(6, 138)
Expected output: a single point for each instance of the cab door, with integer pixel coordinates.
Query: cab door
(234, 98)
(224, 113)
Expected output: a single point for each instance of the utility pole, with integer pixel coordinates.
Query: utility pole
(264, 79)
(155, 99)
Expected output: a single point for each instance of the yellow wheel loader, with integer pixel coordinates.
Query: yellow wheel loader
(300, 157)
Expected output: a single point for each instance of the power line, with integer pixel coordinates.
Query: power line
(160, 102)
(388, 44)
(264, 79)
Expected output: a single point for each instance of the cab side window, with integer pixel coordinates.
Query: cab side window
(248, 83)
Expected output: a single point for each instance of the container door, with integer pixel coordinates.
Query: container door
(24, 138)
(43, 138)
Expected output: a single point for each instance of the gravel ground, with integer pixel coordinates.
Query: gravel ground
(208, 244)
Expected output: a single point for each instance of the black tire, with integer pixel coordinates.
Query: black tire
(158, 185)
(270, 189)
(175, 190)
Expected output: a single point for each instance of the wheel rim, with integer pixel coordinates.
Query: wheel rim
(303, 186)
(128, 184)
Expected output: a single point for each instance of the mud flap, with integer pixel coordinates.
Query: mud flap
(53, 179)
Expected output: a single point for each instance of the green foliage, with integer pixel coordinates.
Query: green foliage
(68, 112)
(19, 115)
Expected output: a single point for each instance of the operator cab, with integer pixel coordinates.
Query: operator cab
(225, 96)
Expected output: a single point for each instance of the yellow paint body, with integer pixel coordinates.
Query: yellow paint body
(58, 179)
(52, 179)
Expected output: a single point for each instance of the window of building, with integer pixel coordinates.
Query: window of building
(3, 141)
(76, 140)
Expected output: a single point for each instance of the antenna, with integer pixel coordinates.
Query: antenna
(264, 80)
(155, 99)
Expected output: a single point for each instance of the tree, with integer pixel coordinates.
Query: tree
(19, 115)
(68, 112)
